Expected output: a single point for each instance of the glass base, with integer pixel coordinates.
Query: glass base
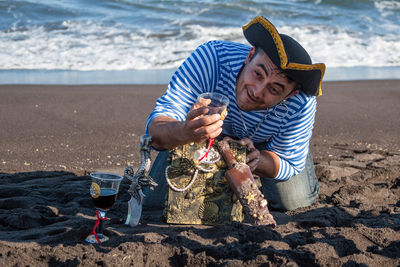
(212, 157)
(92, 239)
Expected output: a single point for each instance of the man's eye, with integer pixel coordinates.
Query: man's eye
(257, 73)
(274, 91)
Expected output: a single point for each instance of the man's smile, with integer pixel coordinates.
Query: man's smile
(250, 98)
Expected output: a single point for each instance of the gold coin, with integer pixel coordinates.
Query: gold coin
(95, 190)
(223, 114)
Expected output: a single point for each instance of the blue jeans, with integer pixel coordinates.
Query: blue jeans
(300, 191)
(156, 198)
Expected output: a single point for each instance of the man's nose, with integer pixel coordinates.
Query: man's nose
(259, 90)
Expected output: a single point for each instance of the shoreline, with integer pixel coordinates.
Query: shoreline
(162, 76)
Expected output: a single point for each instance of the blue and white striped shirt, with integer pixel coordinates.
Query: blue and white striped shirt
(213, 67)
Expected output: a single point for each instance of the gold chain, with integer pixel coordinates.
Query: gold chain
(258, 125)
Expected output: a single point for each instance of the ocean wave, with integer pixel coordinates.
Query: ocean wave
(90, 46)
(137, 35)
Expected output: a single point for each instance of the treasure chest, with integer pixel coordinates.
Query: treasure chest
(198, 192)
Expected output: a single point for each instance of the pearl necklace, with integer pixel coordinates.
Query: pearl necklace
(257, 127)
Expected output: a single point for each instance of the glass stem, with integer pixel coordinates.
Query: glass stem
(210, 142)
(102, 215)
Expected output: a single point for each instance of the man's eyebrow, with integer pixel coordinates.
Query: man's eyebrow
(266, 74)
(264, 68)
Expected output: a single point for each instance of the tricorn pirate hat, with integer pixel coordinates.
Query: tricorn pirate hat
(286, 53)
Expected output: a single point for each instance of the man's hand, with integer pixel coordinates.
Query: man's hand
(200, 127)
(253, 157)
(168, 133)
(264, 163)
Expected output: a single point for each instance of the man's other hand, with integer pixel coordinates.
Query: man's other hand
(253, 157)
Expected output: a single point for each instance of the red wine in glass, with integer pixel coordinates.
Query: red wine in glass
(106, 199)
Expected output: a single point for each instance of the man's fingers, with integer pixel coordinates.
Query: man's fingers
(203, 102)
(253, 157)
(252, 165)
(210, 131)
(194, 113)
(202, 121)
(247, 142)
(254, 154)
(227, 138)
(200, 136)
(202, 127)
(215, 133)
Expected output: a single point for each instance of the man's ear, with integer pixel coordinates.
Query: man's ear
(250, 55)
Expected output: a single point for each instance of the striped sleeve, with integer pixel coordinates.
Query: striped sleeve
(292, 143)
(197, 74)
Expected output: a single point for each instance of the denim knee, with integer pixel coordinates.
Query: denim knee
(300, 191)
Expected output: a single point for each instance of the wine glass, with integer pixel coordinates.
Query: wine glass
(217, 104)
(103, 190)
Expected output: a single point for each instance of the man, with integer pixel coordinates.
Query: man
(272, 88)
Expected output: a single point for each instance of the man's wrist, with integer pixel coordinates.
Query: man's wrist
(167, 134)
(178, 133)
(268, 165)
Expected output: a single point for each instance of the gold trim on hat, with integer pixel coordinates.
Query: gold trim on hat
(281, 50)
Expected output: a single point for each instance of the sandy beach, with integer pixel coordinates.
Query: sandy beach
(52, 136)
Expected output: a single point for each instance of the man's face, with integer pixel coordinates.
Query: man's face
(261, 84)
